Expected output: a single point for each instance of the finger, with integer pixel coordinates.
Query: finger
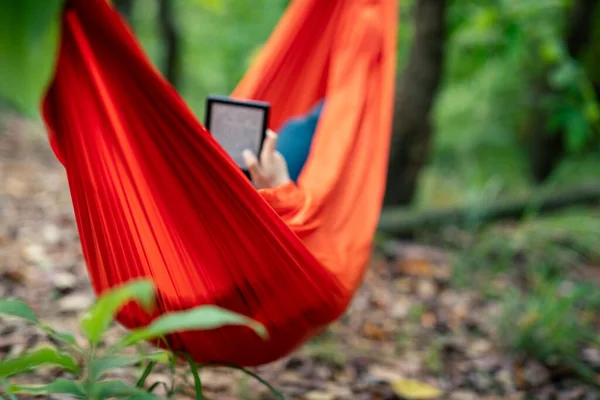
(252, 164)
(269, 145)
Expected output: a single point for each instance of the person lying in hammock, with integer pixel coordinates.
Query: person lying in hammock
(283, 155)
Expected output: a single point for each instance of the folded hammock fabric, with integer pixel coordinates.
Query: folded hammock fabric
(155, 196)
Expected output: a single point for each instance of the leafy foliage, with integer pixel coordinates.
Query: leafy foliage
(552, 324)
(91, 364)
(29, 32)
(17, 308)
(497, 52)
(549, 317)
(97, 321)
(36, 359)
(205, 317)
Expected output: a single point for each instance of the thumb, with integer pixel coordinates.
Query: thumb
(269, 145)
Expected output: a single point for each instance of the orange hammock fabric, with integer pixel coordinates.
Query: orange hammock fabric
(155, 196)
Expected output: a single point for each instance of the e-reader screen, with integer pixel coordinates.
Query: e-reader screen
(237, 125)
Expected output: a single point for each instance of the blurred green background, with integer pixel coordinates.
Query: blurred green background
(509, 87)
(484, 113)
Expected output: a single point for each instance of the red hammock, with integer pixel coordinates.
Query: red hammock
(155, 196)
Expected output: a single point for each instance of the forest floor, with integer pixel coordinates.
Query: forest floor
(406, 322)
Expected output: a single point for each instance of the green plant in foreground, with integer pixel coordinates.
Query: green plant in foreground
(551, 316)
(551, 325)
(90, 365)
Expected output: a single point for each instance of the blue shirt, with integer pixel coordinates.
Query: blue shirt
(295, 138)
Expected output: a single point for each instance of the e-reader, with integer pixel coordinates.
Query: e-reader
(237, 125)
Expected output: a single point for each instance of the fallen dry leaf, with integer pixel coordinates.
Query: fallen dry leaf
(519, 376)
(319, 396)
(428, 320)
(413, 389)
(16, 275)
(416, 267)
(375, 332)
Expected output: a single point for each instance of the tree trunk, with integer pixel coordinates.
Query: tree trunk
(402, 222)
(172, 52)
(545, 148)
(125, 8)
(580, 25)
(415, 95)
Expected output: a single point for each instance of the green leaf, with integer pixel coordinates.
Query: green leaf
(144, 396)
(100, 365)
(6, 388)
(203, 317)
(29, 35)
(41, 357)
(196, 375)
(17, 308)
(147, 371)
(64, 337)
(95, 322)
(59, 386)
(118, 389)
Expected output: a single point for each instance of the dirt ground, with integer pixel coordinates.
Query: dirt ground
(406, 322)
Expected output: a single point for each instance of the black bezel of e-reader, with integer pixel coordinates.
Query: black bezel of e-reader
(264, 106)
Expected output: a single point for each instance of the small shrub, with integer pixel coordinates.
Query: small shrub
(550, 324)
(89, 365)
(549, 313)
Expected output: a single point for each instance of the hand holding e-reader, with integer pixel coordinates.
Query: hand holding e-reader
(240, 127)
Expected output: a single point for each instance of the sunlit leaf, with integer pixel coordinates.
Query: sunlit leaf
(29, 33)
(486, 18)
(98, 319)
(203, 317)
(17, 308)
(38, 358)
(413, 389)
(550, 51)
(59, 386)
